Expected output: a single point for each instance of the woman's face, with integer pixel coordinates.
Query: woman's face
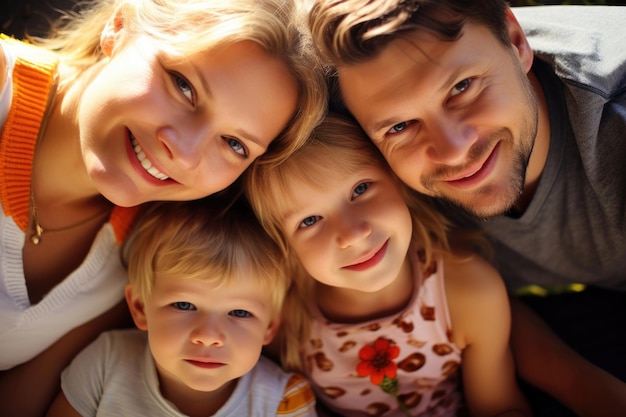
(153, 127)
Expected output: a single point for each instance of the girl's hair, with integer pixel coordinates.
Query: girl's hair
(213, 239)
(186, 27)
(338, 145)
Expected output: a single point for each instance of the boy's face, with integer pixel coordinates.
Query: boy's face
(455, 120)
(353, 233)
(157, 127)
(201, 336)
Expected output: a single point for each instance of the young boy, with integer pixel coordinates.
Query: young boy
(206, 286)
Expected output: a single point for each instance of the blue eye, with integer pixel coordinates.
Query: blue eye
(242, 314)
(360, 189)
(237, 146)
(398, 127)
(461, 87)
(309, 221)
(183, 305)
(183, 86)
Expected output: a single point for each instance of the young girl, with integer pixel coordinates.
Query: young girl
(206, 286)
(130, 101)
(400, 317)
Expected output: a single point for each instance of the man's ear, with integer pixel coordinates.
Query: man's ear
(111, 33)
(136, 307)
(271, 331)
(518, 40)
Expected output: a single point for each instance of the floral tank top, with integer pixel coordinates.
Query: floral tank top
(402, 365)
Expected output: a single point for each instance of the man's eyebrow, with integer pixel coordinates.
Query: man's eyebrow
(376, 127)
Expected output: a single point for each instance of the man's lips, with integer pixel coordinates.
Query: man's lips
(475, 175)
(370, 261)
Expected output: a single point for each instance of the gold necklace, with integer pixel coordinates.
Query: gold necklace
(37, 234)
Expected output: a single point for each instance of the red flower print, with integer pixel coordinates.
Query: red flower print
(377, 361)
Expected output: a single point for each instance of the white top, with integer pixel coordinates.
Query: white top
(5, 93)
(93, 288)
(116, 376)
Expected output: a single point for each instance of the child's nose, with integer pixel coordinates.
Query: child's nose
(352, 230)
(208, 332)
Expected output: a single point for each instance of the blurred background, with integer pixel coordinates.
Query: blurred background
(33, 16)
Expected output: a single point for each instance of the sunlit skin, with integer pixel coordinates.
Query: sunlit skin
(353, 234)
(199, 121)
(455, 120)
(204, 337)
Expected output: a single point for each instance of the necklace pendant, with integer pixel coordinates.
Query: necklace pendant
(36, 237)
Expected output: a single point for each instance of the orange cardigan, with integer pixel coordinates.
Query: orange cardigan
(33, 81)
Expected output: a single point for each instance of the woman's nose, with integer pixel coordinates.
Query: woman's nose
(185, 146)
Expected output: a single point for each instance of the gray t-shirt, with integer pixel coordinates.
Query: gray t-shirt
(574, 229)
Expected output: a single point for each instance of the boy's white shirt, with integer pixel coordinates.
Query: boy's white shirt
(116, 376)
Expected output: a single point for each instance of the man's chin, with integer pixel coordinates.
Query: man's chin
(480, 209)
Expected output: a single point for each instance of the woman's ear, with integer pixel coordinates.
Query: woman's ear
(519, 42)
(111, 32)
(136, 307)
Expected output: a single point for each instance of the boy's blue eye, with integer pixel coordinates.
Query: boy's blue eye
(183, 305)
(240, 314)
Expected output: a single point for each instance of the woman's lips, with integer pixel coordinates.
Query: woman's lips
(370, 262)
(141, 170)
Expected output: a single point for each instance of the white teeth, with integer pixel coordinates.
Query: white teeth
(145, 162)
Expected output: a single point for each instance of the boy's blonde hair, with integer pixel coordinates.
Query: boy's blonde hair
(187, 27)
(209, 239)
(340, 145)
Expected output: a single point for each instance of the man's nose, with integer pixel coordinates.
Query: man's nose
(450, 140)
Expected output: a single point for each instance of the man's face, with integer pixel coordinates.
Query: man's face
(456, 120)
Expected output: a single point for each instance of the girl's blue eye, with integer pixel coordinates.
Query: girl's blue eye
(242, 314)
(309, 221)
(360, 189)
(183, 305)
(183, 86)
(237, 146)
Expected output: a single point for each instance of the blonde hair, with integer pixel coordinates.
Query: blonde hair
(187, 27)
(211, 239)
(340, 145)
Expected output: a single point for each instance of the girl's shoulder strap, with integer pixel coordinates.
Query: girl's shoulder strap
(33, 80)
